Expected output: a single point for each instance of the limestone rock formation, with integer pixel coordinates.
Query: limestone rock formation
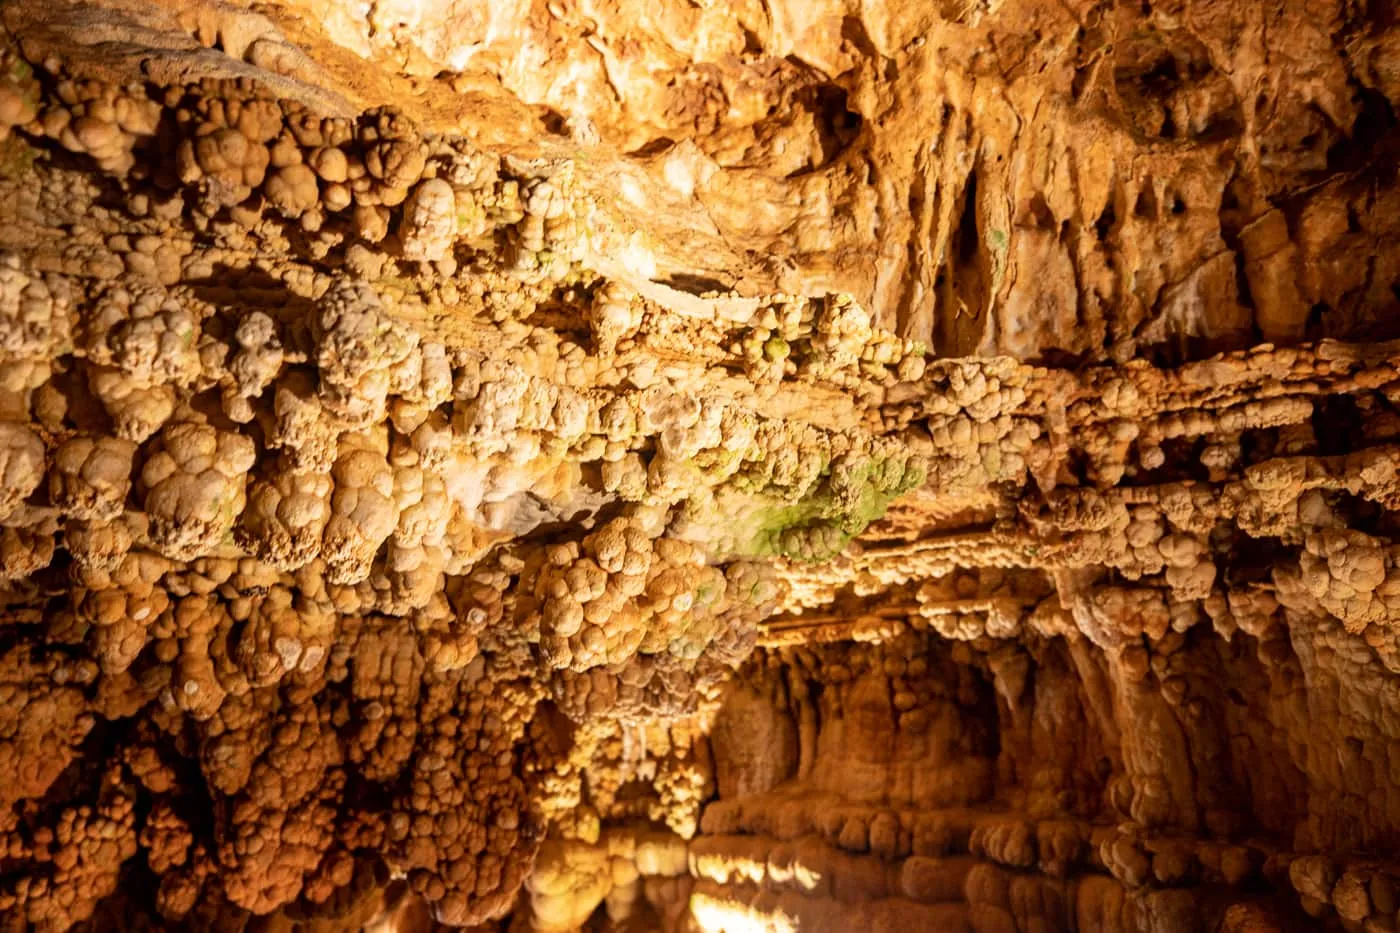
(699, 466)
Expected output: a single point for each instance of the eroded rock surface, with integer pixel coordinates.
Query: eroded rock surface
(699, 466)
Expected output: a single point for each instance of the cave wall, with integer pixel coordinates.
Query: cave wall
(1186, 795)
(581, 465)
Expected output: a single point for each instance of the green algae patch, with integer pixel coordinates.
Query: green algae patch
(850, 494)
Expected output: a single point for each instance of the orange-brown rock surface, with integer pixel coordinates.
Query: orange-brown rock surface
(699, 466)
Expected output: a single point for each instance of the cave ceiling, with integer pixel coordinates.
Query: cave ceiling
(699, 466)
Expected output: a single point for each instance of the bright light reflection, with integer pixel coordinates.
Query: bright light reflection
(714, 915)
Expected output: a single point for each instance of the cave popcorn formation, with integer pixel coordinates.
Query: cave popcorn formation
(699, 467)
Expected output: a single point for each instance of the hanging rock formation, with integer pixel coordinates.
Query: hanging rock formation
(699, 466)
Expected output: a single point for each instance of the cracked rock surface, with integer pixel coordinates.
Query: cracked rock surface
(699, 466)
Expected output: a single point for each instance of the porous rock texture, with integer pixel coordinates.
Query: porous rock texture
(699, 466)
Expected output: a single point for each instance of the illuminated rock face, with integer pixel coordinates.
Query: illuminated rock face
(678, 466)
